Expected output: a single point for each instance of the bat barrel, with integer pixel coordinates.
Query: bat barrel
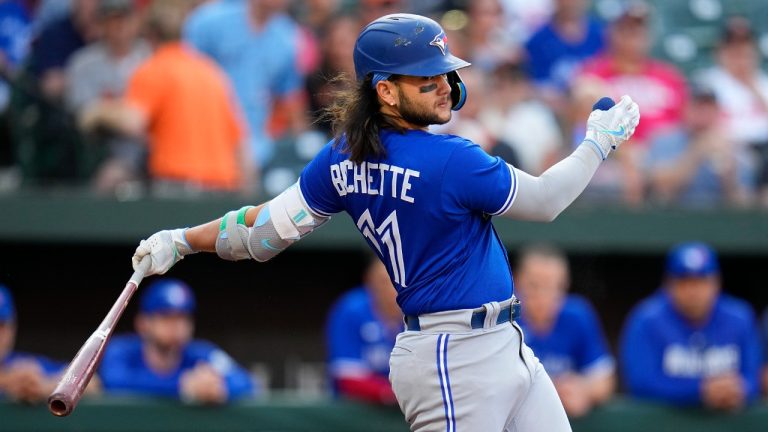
(73, 383)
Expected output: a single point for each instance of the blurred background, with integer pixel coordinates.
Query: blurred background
(122, 117)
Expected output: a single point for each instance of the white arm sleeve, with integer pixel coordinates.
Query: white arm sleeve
(543, 198)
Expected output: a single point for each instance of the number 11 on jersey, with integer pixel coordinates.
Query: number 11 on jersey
(388, 233)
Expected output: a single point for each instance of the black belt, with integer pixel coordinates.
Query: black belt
(508, 313)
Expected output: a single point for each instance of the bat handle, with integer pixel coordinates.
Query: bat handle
(140, 272)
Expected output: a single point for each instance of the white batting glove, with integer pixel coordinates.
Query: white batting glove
(607, 130)
(165, 248)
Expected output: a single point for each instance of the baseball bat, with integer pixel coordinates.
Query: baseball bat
(72, 384)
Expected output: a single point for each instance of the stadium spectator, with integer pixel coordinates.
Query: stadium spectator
(513, 112)
(48, 148)
(336, 47)
(742, 90)
(489, 43)
(100, 71)
(23, 377)
(698, 164)
(557, 50)
(257, 45)
(58, 41)
(162, 359)
(360, 333)
(626, 67)
(689, 344)
(184, 104)
(14, 43)
(563, 330)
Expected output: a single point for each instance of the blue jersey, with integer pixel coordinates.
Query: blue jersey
(664, 357)
(574, 344)
(123, 369)
(359, 342)
(425, 209)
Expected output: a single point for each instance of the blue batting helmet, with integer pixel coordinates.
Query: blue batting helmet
(692, 260)
(407, 44)
(167, 296)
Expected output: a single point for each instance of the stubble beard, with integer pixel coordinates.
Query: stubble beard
(416, 115)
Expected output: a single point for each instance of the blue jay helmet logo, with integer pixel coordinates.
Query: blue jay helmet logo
(440, 41)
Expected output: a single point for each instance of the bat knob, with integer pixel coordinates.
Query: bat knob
(604, 104)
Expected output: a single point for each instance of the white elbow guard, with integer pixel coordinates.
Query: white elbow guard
(284, 220)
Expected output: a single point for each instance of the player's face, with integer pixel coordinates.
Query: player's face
(167, 331)
(541, 283)
(694, 297)
(424, 101)
(7, 336)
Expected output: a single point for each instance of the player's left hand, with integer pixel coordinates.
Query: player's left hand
(608, 129)
(164, 248)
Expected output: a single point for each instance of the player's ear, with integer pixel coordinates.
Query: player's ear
(387, 92)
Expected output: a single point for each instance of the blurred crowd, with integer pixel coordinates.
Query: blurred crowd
(687, 344)
(178, 98)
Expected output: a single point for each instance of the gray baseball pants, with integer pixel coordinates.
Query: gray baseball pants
(449, 377)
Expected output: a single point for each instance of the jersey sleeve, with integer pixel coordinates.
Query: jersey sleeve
(475, 181)
(316, 186)
(752, 356)
(238, 381)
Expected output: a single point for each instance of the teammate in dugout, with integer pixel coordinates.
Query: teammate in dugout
(164, 360)
(563, 330)
(688, 344)
(424, 204)
(360, 333)
(23, 377)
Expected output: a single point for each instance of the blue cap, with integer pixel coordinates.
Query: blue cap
(692, 260)
(167, 296)
(7, 311)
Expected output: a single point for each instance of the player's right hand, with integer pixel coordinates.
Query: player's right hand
(164, 249)
(608, 129)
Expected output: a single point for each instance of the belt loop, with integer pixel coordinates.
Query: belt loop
(492, 310)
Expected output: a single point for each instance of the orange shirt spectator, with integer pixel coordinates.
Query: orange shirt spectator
(194, 129)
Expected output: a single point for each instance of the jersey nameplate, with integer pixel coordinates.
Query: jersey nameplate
(392, 180)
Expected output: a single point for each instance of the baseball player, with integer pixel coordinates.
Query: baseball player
(163, 360)
(424, 203)
(563, 330)
(688, 344)
(23, 377)
(360, 333)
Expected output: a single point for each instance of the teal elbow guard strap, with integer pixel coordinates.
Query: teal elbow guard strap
(281, 222)
(232, 242)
